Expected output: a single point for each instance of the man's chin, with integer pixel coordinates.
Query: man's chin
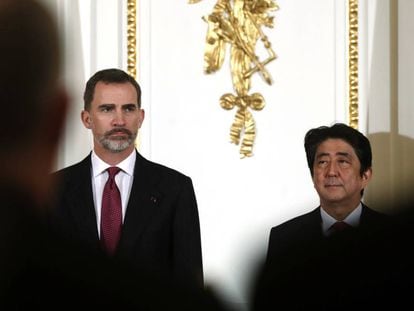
(117, 146)
(112, 150)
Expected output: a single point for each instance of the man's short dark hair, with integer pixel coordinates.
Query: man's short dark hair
(360, 144)
(108, 76)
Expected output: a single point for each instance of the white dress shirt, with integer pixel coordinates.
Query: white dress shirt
(352, 219)
(123, 180)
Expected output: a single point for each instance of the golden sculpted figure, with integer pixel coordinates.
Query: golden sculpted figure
(238, 23)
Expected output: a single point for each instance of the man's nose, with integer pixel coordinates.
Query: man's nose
(119, 119)
(332, 169)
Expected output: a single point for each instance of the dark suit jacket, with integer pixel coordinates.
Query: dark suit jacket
(42, 270)
(305, 270)
(304, 231)
(161, 229)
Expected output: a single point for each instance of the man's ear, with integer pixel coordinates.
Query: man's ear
(141, 117)
(86, 119)
(366, 176)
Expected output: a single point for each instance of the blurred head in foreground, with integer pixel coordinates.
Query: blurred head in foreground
(32, 100)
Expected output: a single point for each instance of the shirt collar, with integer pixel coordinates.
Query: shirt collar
(99, 166)
(352, 219)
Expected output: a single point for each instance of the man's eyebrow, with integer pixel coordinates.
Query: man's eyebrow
(322, 154)
(106, 105)
(345, 154)
(340, 153)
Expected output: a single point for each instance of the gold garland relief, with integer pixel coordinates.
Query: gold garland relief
(353, 62)
(239, 23)
(131, 38)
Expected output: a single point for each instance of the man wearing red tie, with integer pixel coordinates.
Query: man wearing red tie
(315, 260)
(134, 210)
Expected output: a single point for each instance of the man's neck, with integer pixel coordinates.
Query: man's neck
(113, 158)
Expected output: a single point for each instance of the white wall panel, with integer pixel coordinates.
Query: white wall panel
(92, 39)
(379, 66)
(406, 68)
(240, 199)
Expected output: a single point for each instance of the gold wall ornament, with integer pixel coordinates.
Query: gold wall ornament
(132, 47)
(239, 23)
(131, 38)
(353, 91)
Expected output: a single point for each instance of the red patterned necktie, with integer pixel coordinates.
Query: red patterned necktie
(111, 213)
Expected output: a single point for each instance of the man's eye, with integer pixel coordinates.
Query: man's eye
(106, 109)
(130, 109)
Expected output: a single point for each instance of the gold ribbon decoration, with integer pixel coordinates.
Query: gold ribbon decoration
(239, 23)
(243, 119)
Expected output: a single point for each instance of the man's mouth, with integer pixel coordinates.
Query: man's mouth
(332, 182)
(118, 132)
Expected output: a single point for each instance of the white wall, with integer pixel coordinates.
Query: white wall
(240, 199)
(390, 101)
(406, 68)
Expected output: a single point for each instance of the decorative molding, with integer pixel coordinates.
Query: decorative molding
(132, 38)
(353, 94)
(239, 23)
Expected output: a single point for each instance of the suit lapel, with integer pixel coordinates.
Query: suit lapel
(313, 225)
(369, 217)
(142, 204)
